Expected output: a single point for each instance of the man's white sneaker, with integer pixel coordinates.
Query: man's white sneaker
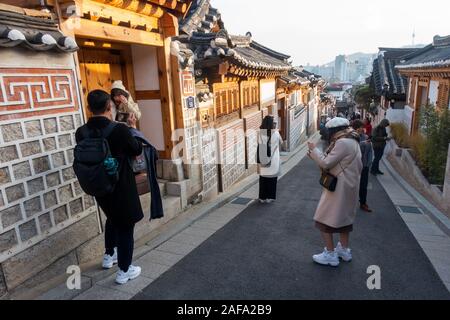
(327, 258)
(343, 253)
(109, 261)
(132, 273)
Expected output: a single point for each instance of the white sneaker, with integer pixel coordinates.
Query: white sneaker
(327, 258)
(132, 273)
(109, 261)
(270, 200)
(262, 201)
(343, 253)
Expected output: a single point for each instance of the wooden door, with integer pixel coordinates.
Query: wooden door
(282, 118)
(99, 69)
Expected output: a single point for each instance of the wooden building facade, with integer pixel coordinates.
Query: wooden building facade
(428, 74)
(52, 53)
(202, 92)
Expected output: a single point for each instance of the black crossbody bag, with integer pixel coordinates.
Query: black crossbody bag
(329, 181)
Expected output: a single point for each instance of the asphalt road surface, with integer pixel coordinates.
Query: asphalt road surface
(265, 253)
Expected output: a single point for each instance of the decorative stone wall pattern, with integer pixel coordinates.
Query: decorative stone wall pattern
(312, 118)
(232, 154)
(191, 132)
(252, 124)
(447, 182)
(297, 126)
(39, 193)
(27, 92)
(209, 160)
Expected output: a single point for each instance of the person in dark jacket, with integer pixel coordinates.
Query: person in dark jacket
(367, 157)
(122, 207)
(379, 140)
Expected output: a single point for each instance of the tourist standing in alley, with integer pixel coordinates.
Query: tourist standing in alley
(269, 162)
(368, 127)
(337, 207)
(379, 140)
(367, 158)
(121, 204)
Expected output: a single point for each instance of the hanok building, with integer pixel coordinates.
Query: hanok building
(50, 58)
(235, 87)
(428, 77)
(389, 85)
(298, 97)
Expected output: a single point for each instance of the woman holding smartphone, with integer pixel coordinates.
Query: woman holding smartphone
(124, 103)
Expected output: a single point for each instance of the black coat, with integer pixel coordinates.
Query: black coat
(151, 157)
(122, 206)
(379, 137)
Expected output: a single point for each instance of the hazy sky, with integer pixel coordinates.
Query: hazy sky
(317, 31)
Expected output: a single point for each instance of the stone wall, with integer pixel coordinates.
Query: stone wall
(41, 201)
(447, 182)
(297, 126)
(231, 154)
(405, 164)
(209, 162)
(252, 123)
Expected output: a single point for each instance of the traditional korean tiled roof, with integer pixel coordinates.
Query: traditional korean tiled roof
(201, 18)
(203, 31)
(384, 71)
(435, 55)
(32, 32)
(212, 48)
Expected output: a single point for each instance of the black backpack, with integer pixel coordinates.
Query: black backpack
(96, 170)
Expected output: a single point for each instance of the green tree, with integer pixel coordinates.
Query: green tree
(364, 95)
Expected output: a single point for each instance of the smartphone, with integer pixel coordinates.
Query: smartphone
(122, 117)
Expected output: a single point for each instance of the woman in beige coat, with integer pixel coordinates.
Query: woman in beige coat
(337, 210)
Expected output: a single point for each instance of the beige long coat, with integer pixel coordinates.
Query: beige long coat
(338, 209)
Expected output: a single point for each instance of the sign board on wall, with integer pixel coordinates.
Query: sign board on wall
(268, 93)
(187, 81)
(188, 89)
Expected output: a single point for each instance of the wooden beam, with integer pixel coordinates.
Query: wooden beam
(148, 95)
(169, 25)
(98, 30)
(97, 10)
(170, 91)
(170, 4)
(136, 6)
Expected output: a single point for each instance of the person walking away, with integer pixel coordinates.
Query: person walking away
(122, 206)
(368, 127)
(379, 140)
(367, 158)
(124, 103)
(337, 209)
(269, 162)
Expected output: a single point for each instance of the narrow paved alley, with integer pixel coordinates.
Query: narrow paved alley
(265, 253)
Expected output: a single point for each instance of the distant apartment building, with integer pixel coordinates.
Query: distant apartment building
(341, 68)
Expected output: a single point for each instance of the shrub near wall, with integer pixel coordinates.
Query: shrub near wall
(432, 149)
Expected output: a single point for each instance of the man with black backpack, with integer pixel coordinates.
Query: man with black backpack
(102, 168)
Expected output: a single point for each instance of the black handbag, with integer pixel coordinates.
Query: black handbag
(328, 181)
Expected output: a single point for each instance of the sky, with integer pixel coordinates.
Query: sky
(316, 31)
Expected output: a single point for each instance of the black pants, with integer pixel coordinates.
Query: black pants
(376, 161)
(122, 238)
(364, 182)
(267, 188)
